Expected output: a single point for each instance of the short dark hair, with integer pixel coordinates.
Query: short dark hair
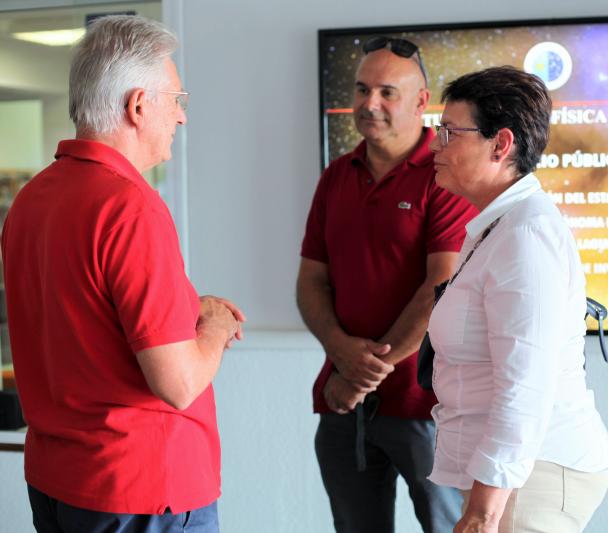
(507, 97)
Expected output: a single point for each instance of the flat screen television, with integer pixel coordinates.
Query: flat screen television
(570, 55)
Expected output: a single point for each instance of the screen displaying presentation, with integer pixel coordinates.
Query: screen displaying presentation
(571, 57)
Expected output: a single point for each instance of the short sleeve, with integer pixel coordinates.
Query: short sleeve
(314, 245)
(144, 273)
(447, 215)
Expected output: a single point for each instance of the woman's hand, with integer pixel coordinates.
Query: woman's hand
(476, 524)
(484, 510)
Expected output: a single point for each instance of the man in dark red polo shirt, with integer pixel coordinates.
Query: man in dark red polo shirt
(380, 235)
(114, 352)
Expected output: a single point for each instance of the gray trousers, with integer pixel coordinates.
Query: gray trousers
(364, 502)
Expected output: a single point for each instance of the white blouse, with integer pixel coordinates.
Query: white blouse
(509, 337)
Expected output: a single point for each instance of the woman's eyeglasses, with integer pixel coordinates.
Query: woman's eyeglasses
(443, 133)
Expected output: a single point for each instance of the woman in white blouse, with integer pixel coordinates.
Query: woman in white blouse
(517, 429)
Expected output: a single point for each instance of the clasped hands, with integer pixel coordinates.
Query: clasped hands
(360, 370)
(223, 315)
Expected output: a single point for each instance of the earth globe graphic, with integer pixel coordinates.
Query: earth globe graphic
(551, 62)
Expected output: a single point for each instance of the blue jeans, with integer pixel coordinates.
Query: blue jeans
(364, 502)
(52, 516)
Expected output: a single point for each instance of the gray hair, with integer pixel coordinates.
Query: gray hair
(118, 54)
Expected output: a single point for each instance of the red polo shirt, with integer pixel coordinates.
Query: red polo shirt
(93, 274)
(375, 238)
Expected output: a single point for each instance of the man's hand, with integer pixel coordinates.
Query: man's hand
(179, 372)
(216, 316)
(340, 395)
(358, 361)
(208, 302)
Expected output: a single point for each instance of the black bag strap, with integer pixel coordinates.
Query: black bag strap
(597, 311)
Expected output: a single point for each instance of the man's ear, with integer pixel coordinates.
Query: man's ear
(134, 110)
(424, 96)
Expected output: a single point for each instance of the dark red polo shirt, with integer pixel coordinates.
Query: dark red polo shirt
(93, 274)
(375, 238)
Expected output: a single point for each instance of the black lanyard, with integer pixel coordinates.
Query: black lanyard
(440, 289)
(485, 233)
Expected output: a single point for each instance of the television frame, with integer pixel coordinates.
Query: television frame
(365, 32)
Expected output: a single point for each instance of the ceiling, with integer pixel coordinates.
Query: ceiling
(29, 70)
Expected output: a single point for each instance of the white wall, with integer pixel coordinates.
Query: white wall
(253, 136)
(253, 162)
(15, 510)
(21, 134)
(252, 165)
(270, 477)
(32, 69)
(271, 481)
(57, 125)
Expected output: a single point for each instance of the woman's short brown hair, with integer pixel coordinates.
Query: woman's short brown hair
(507, 97)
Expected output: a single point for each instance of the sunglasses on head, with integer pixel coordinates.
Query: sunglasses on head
(400, 47)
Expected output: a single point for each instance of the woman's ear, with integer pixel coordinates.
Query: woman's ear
(503, 142)
(134, 109)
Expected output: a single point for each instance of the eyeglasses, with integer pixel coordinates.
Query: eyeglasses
(400, 47)
(443, 132)
(181, 98)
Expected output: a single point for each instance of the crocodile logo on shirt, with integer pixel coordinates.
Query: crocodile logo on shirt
(404, 205)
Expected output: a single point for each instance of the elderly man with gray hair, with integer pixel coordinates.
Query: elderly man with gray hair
(114, 352)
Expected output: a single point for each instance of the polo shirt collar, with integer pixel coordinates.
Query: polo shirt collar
(517, 192)
(97, 152)
(417, 158)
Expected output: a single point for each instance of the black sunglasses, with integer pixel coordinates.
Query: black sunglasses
(400, 47)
